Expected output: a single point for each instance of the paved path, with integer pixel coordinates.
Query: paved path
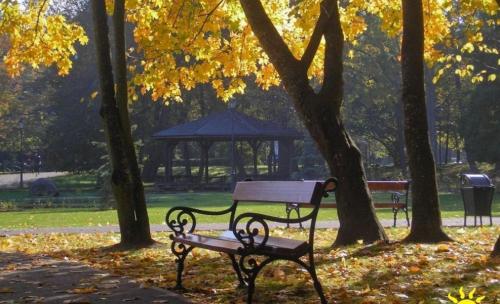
(40, 279)
(450, 222)
(12, 180)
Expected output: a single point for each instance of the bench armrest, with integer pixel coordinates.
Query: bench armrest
(182, 219)
(248, 235)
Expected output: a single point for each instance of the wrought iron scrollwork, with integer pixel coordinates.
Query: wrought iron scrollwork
(181, 220)
(248, 235)
(178, 249)
(395, 198)
(248, 264)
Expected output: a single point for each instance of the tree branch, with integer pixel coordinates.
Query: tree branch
(333, 66)
(312, 47)
(271, 41)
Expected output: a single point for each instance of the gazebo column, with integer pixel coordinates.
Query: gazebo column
(205, 148)
(285, 151)
(255, 145)
(187, 158)
(270, 159)
(169, 156)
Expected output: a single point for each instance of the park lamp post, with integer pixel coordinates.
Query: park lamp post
(21, 129)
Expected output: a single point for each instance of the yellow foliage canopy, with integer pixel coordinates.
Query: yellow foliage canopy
(185, 43)
(37, 38)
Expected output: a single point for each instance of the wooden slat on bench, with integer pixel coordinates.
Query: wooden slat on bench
(388, 185)
(228, 243)
(388, 205)
(207, 242)
(275, 243)
(280, 192)
(376, 205)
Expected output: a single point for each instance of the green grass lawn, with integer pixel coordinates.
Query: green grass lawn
(158, 204)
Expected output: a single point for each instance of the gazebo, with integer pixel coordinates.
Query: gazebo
(231, 126)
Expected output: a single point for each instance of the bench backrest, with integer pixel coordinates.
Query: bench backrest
(388, 185)
(300, 192)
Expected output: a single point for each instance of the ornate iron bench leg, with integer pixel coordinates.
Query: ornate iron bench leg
(297, 208)
(180, 251)
(317, 284)
(251, 268)
(289, 208)
(407, 217)
(250, 288)
(241, 282)
(395, 213)
(288, 211)
(312, 271)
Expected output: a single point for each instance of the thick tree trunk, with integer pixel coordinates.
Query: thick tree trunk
(400, 139)
(125, 177)
(431, 114)
(426, 224)
(496, 249)
(320, 113)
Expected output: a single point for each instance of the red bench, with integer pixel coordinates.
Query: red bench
(398, 202)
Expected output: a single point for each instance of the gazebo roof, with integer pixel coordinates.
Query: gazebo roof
(222, 126)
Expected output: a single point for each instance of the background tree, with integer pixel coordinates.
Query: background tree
(321, 115)
(480, 125)
(373, 84)
(496, 249)
(426, 217)
(125, 177)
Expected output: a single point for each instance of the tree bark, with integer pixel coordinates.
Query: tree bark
(496, 249)
(426, 224)
(125, 178)
(431, 114)
(400, 139)
(320, 113)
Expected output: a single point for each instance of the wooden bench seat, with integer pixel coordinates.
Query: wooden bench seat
(249, 234)
(397, 189)
(226, 242)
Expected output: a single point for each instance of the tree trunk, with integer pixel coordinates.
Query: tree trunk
(496, 249)
(431, 113)
(320, 113)
(426, 224)
(125, 178)
(400, 138)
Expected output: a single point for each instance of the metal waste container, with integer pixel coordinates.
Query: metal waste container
(477, 194)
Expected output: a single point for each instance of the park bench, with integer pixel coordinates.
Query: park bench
(398, 190)
(248, 237)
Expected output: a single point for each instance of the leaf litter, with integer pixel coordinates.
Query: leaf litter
(375, 273)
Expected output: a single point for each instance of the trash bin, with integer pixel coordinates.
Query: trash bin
(477, 194)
